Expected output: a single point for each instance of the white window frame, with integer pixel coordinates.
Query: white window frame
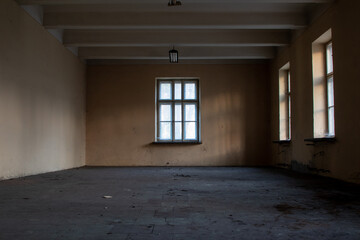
(174, 102)
(329, 79)
(285, 72)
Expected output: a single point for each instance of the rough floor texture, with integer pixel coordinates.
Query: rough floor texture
(178, 203)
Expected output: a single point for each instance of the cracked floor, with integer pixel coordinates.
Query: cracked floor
(178, 203)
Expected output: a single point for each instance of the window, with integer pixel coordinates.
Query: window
(284, 103)
(330, 89)
(323, 86)
(177, 110)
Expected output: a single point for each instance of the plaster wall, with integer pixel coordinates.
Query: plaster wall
(42, 98)
(121, 116)
(340, 159)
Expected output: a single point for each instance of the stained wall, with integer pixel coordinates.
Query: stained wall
(234, 116)
(340, 159)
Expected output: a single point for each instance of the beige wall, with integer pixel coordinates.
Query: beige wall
(342, 158)
(121, 116)
(42, 120)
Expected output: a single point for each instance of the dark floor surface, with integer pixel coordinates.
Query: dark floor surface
(178, 203)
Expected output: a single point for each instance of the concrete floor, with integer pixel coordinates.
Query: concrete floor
(178, 203)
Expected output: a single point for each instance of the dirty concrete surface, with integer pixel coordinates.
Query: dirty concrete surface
(178, 203)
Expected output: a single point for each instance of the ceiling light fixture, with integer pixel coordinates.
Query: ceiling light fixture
(174, 3)
(173, 56)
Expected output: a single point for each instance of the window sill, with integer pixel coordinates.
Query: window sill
(282, 142)
(177, 143)
(324, 139)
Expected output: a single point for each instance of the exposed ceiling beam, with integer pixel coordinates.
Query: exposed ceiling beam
(204, 31)
(173, 20)
(181, 61)
(184, 53)
(58, 2)
(98, 38)
(151, 6)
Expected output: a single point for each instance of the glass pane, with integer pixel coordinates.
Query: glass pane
(330, 89)
(331, 122)
(178, 130)
(190, 112)
(165, 112)
(329, 59)
(178, 91)
(190, 91)
(165, 130)
(289, 105)
(165, 90)
(288, 82)
(190, 130)
(289, 137)
(178, 112)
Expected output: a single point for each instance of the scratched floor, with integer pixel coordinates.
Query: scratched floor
(178, 203)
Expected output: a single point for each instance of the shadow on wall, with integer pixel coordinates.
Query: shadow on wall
(121, 119)
(226, 123)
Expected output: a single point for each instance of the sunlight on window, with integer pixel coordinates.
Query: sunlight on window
(178, 91)
(165, 130)
(284, 103)
(177, 110)
(190, 130)
(329, 59)
(190, 91)
(323, 86)
(165, 90)
(190, 112)
(330, 90)
(165, 112)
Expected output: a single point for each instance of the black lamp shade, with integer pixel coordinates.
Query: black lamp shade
(173, 56)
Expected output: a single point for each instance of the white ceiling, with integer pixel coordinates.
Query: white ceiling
(203, 31)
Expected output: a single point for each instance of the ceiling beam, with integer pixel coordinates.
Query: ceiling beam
(150, 6)
(173, 20)
(181, 61)
(98, 38)
(58, 2)
(184, 53)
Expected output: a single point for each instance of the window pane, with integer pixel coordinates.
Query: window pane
(289, 133)
(190, 130)
(289, 105)
(178, 112)
(178, 130)
(331, 122)
(288, 82)
(165, 90)
(178, 91)
(330, 89)
(329, 59)
(190, 112)
(190, 91)
(165, 112)
(165, 130)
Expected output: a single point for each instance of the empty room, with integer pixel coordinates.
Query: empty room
(179, 119)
